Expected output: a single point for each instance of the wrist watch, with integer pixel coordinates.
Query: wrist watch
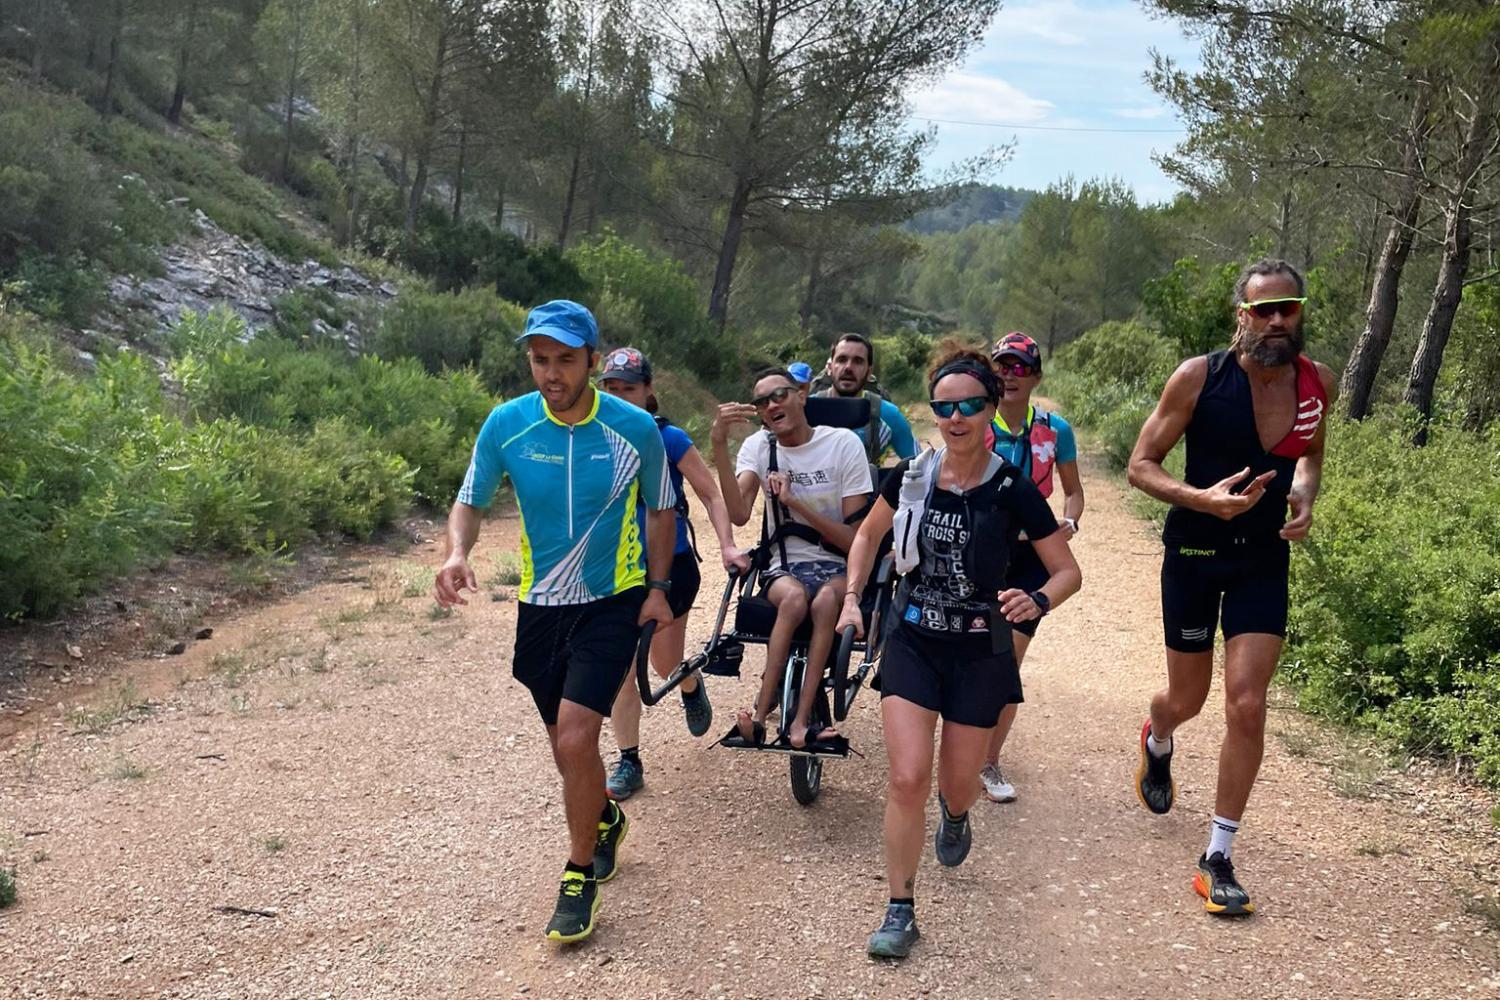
(665, 586)
(1042, 601)
(1072, 523)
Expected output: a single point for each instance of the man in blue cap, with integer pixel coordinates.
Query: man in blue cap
(580, 461)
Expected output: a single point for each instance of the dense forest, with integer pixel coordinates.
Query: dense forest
(729, 183)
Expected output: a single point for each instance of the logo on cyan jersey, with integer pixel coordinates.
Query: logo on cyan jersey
(533, 451)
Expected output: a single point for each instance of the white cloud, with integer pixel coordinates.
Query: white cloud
(1141, 114)
(977, 97)
(1049, 20)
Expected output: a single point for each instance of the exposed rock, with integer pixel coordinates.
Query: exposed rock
(213, 267)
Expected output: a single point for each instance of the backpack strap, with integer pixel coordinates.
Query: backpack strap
(872, 433)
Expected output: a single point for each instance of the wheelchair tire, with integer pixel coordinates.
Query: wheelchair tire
(807, 779)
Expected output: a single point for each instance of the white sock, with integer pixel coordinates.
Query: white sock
(1221, 836)
(1157, 747)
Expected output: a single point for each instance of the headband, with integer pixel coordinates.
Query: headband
(968, 366)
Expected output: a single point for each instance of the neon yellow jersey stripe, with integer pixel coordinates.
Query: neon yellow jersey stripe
(628, 556)
(528, 566)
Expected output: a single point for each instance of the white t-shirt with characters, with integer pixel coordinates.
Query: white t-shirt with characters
(825, 470)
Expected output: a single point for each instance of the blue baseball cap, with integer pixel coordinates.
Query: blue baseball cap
(801, 371)
(565, 321)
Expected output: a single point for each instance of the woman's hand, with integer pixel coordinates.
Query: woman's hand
(1017, 606)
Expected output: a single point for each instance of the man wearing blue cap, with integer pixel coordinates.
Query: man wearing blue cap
(580, 461)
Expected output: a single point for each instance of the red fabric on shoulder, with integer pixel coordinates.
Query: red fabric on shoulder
(1312, 406)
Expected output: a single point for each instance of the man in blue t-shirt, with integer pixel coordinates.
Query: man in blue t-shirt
(581, 461)
(850, 363)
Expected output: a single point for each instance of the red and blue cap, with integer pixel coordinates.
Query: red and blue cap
(626, 364)
(1017, 344)
(565, 321)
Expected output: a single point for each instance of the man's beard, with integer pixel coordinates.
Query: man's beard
(1275, 353)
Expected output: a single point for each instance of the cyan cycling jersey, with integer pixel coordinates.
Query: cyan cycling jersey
(577, 487)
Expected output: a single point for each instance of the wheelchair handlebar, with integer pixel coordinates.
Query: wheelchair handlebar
(841, 674)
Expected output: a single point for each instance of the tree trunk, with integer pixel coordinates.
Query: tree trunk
(814, 283)
(734, 229)
(1286, 224)
(568, 198)
(429, 128)
(116, 29)
(500, 205)
(1458, 239)
(298, 16)
(184, 57)
(356, 96)
(458, 180)
(1358, 382)
(1446, 295)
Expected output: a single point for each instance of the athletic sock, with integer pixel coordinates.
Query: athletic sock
(632, 754)
(1221, 836)
(1158, 748)
(904, 901)
(949, 816)
(587, 869)
(611, 812)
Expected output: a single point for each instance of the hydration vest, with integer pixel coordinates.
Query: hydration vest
(1040, 441)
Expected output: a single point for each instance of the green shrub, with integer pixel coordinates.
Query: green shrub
(648, 301)
(1396, 593)
(1108, 381)
(450, 329)
(7, 887)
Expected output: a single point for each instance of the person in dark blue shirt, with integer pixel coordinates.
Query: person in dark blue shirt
(627, 375)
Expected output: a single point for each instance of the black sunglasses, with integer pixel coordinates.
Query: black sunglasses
(774, 396)
(968, 407)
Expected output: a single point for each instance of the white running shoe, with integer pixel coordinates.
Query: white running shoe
(995, 785)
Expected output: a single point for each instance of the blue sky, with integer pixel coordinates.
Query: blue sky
(1061, 64)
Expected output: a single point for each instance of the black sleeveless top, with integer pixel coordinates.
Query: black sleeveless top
(1222, 440)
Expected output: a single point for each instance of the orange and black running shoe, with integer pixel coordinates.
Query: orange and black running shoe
(1153, 777)
(1222, 894)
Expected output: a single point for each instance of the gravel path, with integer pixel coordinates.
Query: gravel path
(370, 778)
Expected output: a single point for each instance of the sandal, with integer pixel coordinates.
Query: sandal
(815, 743)
(736, 737)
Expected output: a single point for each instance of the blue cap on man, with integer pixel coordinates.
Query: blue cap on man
(801, 371)
(565, 321)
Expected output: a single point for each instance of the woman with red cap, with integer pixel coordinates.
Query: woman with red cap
(1039, 443)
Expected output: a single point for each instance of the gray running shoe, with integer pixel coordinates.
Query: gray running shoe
(700, 714)
(897, 934)
(953, 837)
(625, 780)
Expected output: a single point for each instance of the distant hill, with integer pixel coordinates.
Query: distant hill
(977, 203)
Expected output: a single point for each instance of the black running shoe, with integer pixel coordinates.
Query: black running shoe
(1222, 893)
(1153, 777)
(695, 705)
(577, 902)
(953, 837)
(611, 836)
(897, 934)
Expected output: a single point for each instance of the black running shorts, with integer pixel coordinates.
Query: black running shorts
(685, 583)
(1026, 572)
(949, 678)
(1241, 591)
(578, 652)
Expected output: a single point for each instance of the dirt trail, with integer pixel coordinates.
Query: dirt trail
(371, 776)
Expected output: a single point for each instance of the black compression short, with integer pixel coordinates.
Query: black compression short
(577, 652)
(1241, 589)
(948, 678)
(686, 579)
(1026, 572)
